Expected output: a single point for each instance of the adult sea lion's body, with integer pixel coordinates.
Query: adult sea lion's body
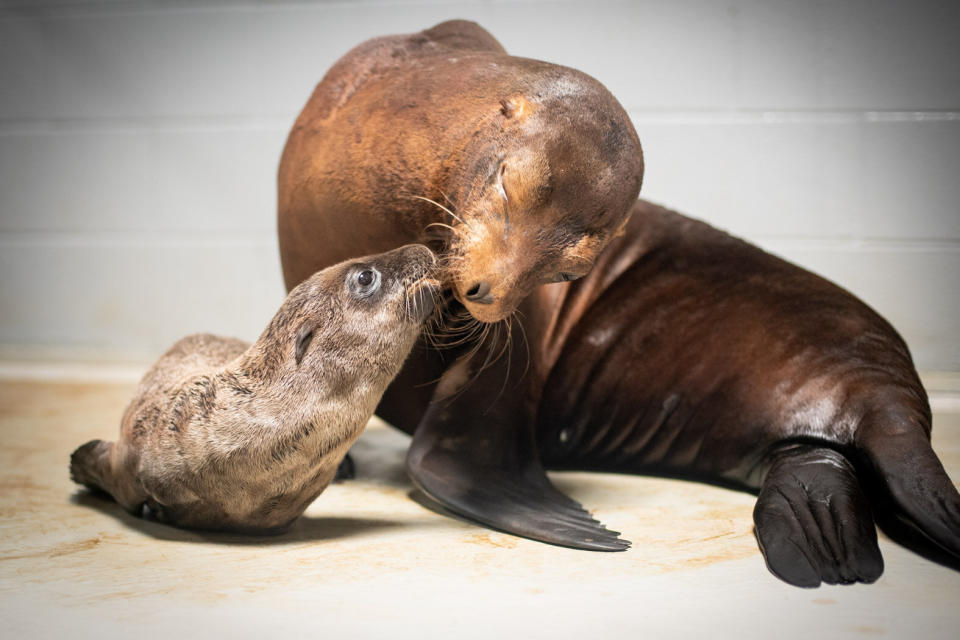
(683, 350)
(691, 353)
(225, 435)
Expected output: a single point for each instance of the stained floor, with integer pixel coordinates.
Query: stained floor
(368, 560)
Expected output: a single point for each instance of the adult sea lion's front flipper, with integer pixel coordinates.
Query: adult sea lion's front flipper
(813, 521)
(484, 465)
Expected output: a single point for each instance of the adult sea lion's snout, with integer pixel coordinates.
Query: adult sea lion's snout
(479, 293)
(495, 266)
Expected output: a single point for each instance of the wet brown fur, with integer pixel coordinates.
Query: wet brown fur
(225, 435)
(537, 164)
(683, 351)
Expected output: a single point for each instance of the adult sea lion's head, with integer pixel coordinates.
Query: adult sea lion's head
(547, 182)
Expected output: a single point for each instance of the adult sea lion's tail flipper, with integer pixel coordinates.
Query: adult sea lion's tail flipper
(912, 478)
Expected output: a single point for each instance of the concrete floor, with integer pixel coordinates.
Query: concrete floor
(367, 560)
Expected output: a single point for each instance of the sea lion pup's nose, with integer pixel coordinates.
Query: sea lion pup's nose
(480, 293)
(423, 250)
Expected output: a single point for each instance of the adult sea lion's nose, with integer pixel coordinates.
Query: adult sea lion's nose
(480, 293)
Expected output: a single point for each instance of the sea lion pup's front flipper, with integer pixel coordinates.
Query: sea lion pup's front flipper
(484, 465)
(813, 521)
(96, 465)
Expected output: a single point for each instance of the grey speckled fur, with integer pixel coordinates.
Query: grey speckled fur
(225, 435)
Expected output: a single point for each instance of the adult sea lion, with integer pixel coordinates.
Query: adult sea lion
(540, 163)
(681, 351)
(226, 435)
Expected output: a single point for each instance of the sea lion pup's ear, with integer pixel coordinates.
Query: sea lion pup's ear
(304, 336)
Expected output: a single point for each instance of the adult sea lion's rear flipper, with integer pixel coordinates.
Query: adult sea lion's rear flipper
(913, 479)
(485, 466)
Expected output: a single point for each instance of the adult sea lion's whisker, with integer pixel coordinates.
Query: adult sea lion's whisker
(434, 202)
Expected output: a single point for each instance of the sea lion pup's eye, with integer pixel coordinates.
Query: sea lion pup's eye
(365, 280)
(565, 277)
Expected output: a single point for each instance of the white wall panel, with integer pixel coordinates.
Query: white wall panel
(139, 142)
(808, 178)
(652, 55)
(187, 61)
(140, 179)
(911, 184)
(140, 295)
(253, 58)
(815, 177)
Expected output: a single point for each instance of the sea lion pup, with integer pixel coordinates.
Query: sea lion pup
(230, 436)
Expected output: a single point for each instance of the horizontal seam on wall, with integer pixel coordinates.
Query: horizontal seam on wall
(139, 238)
(58, 11)
(148, 124)
(267, 238)
(282, 123)
(791, 116)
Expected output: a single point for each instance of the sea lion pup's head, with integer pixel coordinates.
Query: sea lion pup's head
(544, 192)
(345, 331)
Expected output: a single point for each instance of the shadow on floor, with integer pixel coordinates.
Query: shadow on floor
(904, 534)
(304, 529)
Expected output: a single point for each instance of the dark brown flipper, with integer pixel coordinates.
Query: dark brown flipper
(88, 464)
(518, 498)
(914, 483)
(813, 521)
(475, 453)
(347, 470)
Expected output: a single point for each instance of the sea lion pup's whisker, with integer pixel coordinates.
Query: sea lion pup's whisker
(421, 287)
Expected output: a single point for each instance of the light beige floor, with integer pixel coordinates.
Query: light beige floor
(366, 560)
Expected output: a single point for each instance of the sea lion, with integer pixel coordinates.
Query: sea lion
(687, 352)
(518, 171)
(229, 436)
(542, 163)
(682, 350)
